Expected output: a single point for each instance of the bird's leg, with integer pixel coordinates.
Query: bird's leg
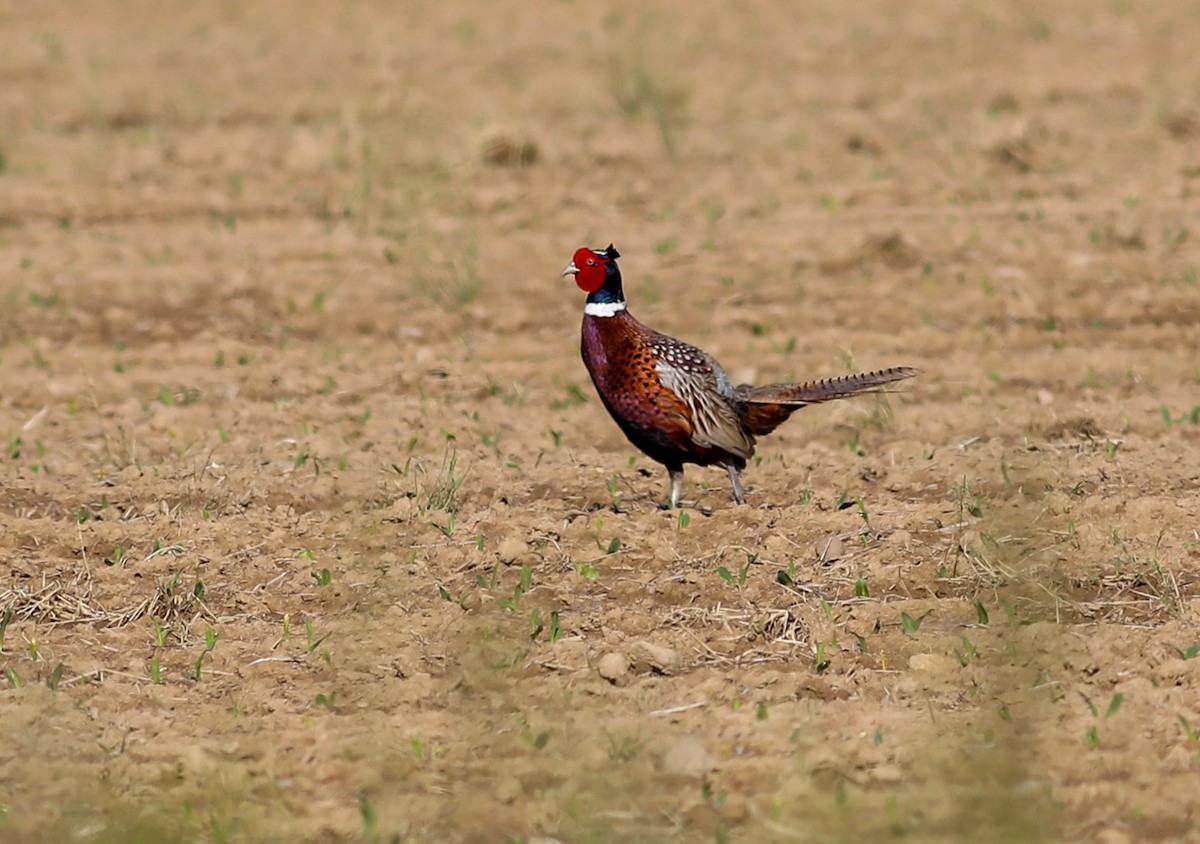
(739, 494)
(676, 485)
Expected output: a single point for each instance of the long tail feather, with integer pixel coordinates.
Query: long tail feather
(826, 390)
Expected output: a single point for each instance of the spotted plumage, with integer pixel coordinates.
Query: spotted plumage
(671, 399)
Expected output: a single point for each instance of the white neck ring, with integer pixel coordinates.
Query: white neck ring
(603, 309)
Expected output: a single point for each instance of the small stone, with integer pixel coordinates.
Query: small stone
(830, 548)
(512, 550)
(887, 775)
(613, 666)
(658, 658)
(1180, 758)
(932, 663)
(1112, 836)
(508, 789)
(1173, 671)
(504, 150)
(688, 758)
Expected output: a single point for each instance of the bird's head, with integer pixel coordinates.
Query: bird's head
(592, 267)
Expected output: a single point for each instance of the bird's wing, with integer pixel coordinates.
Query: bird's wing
(705, 390)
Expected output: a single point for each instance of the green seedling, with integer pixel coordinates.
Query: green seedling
(55, 677)
(787, 577)
(161, 632)
(1010, 611)
(1190, 733)
(439, 491)
(323, 577)
(419, 750)
(574, 396)
(523, 587)
(448, 528)
(624, 750)
(312, 642)
(968, 653)
(612, 484)
(370, 819)
(739, 580)
(981, 612)
(862, 511)
(910, 624)
(1114, 705)
(489, 582)
(4, 621)
(822, 663)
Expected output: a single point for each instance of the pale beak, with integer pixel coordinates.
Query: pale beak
(570, 269)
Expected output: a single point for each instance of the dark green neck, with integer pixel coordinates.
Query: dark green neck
(611, 292)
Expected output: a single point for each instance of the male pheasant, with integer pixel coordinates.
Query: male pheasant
(672, 400)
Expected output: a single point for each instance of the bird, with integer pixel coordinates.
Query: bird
(673, 401)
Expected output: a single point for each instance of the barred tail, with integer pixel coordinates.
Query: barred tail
(826, 390)
(764, 408)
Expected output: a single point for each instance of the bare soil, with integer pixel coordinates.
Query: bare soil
(315, 530)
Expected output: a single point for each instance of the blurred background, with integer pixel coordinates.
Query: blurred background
(280, 294)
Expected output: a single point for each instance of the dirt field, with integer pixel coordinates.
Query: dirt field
(314, 528)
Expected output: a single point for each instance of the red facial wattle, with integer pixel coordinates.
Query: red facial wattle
(590, 270)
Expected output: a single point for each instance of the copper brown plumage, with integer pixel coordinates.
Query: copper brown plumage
(674, 401)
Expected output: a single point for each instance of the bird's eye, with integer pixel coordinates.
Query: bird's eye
(591, 263)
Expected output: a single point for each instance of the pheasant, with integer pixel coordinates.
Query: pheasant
(672, 400)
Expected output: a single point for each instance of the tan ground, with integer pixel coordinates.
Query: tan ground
(311, 516)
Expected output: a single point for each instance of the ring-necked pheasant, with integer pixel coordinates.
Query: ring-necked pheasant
(672, 400)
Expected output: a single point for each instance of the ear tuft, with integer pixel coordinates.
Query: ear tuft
(611, 252)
